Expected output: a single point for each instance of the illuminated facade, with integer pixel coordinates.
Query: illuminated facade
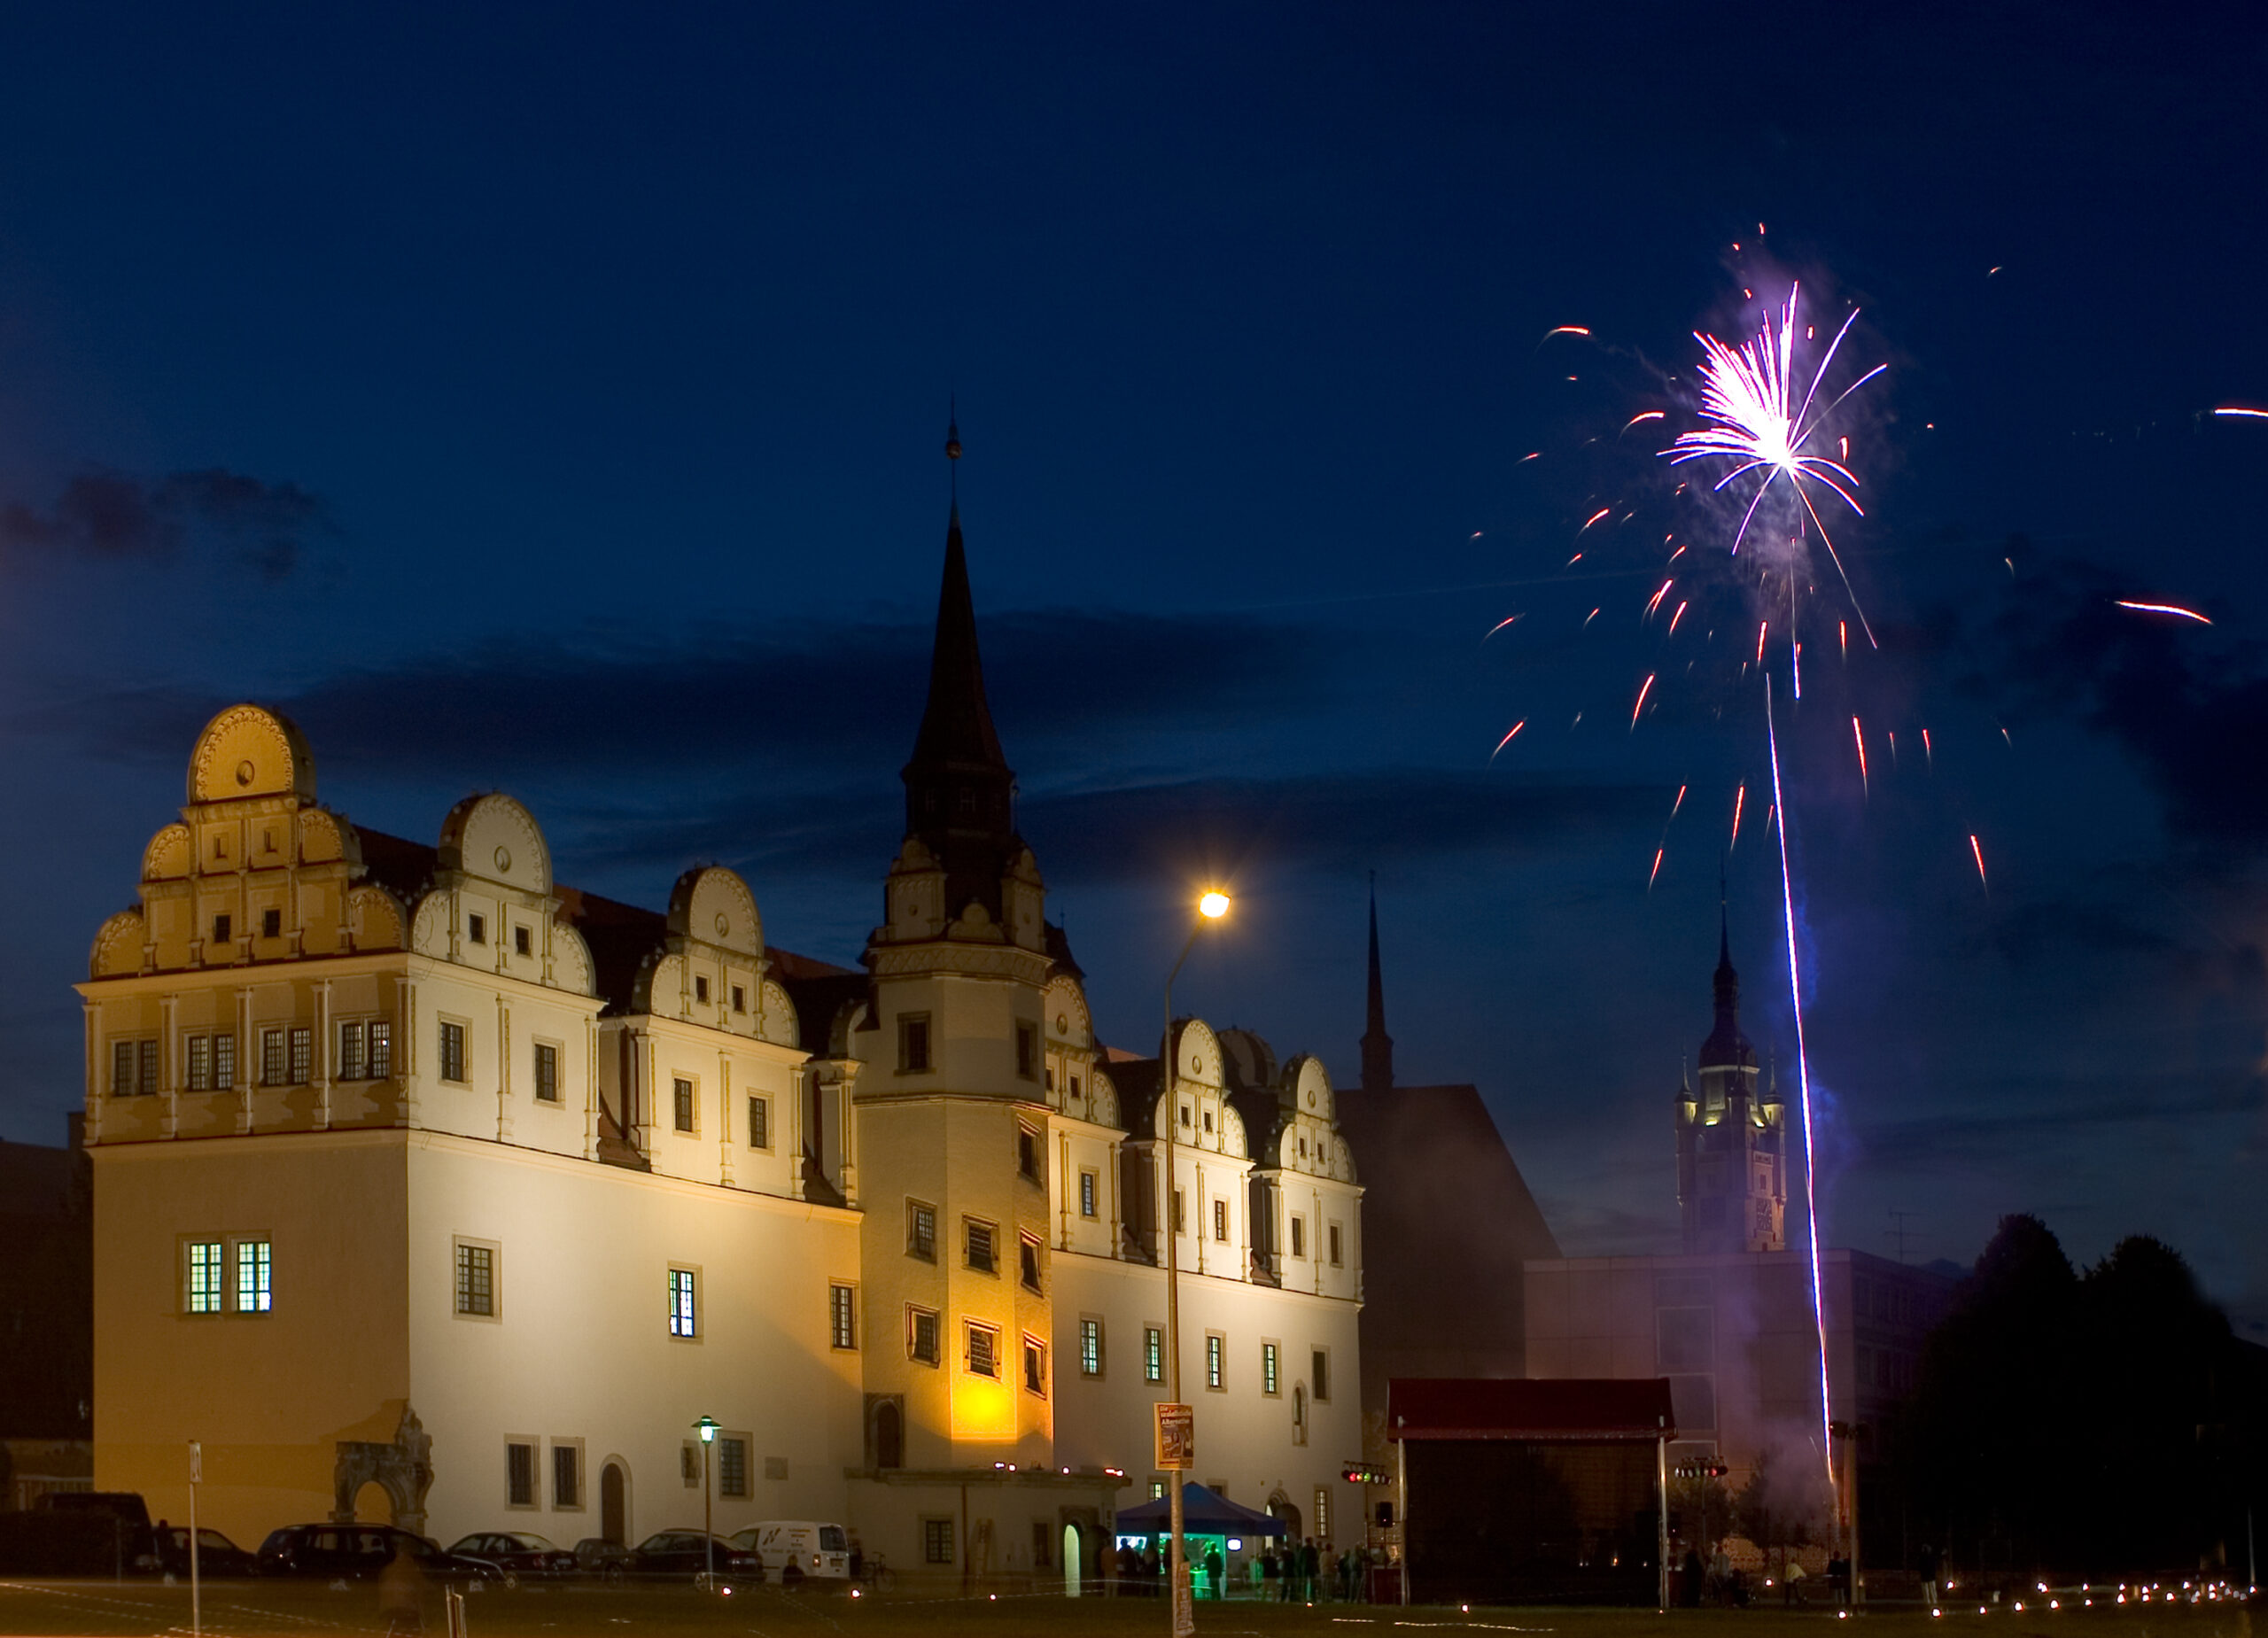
(429, 1188)
(1732, 1161)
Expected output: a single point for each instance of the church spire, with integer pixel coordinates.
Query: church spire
(1726, 1043)
(959, 790)
(1377, 1046)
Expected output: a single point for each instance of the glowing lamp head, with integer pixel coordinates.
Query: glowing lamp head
(1212, 906)
(708, 1426)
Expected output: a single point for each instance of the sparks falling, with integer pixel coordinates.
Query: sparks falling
(2187, 614)
(1740, 801)
(1859, 737)
(1803, 1087)
(1746, 394)
(1643, 690)
(1978, 854)
(1507, 740)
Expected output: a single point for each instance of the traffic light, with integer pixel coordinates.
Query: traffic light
(1357, 1475)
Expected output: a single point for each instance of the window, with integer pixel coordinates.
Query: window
(1153, 1354)
(350, 1052)
(303, 1053)
(980, 1245)
(200, 1063)
(566, 1474)
(759, 1124)
(1028, 1262)
(255, 1277)
(271, 1057)
(224, 1062)
(1299, 1237)
(936, 1541)
(204, 1293)
(476, 929)
(1319, 1375)
(1028, 1154)
(1322, 1514)
(1157, 1489)
(681, 1104)
(842, 1317)
(380, 1035)
(688, 1462)
(921, 1335)
(1336, 1249)
(271, 924)
(682, 1312)
(519, 1474)
(732, 1465)
(523, 942)
(1180, 1226)
(547, 1071)
(1271, 1374)
(477, 1280)
(133, 1068)
(1035, 1366)
(1184, 1115)
(1027, 1051)
(700, 987)
(1217, 1363)
(739, 998)
(983, 1351)
(1221, 1221)
(223, 927)
(1090, 1187)
(921, 1231)
(913, 1043)
(1089, 1347)
(452, 1052)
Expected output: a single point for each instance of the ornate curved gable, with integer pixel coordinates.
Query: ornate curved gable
(710, 967)
(249, 751)
(494, 839)
(492, 882)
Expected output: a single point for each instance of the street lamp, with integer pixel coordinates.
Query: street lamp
(707, 1426)
(1210, 908)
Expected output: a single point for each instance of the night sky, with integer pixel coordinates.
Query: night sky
(554, 401)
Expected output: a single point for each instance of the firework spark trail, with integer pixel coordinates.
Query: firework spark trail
(1657, 869)
(1645, 688)
(1507, 740)
(1802, 1086)
(1858, 734)
(1740, 801)
(1929, 755)
(2187, 614)
(1978, 853)
(1648, 415)
(1745, 392)
(1679, 802)
(1655, 601)
(1762, 626)
(1499, 626)
(1674, 618)
(1594, 517)
(2249, 415)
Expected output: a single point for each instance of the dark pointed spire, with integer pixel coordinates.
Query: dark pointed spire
(1378, 1045)
(959, 790)
(1726, 1043)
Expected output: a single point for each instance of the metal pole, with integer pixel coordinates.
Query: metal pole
(196, 1588)
(1182, 1620)
(707, 1517)
(1402, 1511)
(1661, 1532)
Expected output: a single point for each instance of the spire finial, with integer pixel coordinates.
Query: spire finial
(952, 448)
(1377, 1046)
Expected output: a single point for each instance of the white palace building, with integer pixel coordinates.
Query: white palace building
(430, 1190)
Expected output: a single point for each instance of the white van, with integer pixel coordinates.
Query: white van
(796, 1549)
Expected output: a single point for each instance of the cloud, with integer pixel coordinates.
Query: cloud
(265, 527)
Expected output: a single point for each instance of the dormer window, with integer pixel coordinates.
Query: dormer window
(522, 941)
(476, 929)
(1184, 1115)
(740, 999)
(701, 989)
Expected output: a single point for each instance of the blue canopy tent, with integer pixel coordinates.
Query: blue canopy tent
(1202, 1513)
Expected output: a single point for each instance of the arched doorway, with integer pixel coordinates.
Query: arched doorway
(613, 1525)
(373, 1504)
(1071, 1561)
(890, 1434)
(1280, 1507)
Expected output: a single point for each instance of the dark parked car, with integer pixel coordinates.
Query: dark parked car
(679, 1555)
(518, 1555)
(218, 1558)
(122, 1515)
(358, 1552)
(610, 1561)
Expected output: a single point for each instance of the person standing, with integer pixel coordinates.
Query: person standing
(1926, 1562)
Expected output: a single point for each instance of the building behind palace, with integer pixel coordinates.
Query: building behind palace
(428, 1187)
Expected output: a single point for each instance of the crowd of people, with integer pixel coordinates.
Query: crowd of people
(1302, 1571)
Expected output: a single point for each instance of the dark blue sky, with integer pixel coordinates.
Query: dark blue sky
(552, 401)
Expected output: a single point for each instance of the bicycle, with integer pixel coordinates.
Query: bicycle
(876, 1574)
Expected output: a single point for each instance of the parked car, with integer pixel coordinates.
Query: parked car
(218, 1558)
(358, 1552)
(518, 1555)
(610, 1561)
(679, 1555)
(794, 1549)
(134, 1545)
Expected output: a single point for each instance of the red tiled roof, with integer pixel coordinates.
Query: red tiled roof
(1573, 1409)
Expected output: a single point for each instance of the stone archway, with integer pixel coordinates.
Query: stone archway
(614, 1510)
(403, 1469)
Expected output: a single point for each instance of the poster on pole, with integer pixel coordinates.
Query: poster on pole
(1177, 1438)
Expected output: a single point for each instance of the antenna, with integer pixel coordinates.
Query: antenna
(1899, 1234)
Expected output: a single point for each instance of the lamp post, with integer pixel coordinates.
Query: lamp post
(708, 1430)
(1183, 1621)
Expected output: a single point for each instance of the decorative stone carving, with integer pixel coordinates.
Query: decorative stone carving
(249, 752)
(403, 1469)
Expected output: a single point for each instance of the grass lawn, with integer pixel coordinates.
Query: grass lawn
(146, 1611)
